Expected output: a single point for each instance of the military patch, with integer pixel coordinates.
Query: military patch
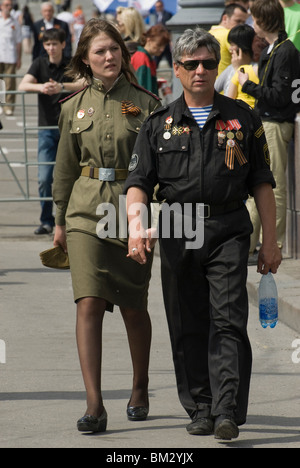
(267, 154)
(259, 132)
(133, 162)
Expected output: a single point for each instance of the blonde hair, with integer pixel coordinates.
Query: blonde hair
(133, 23)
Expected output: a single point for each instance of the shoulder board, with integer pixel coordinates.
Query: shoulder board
(244, 105)
(158, 111)
(72, 95)
(146, 91)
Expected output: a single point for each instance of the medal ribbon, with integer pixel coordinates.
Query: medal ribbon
(233, 152)
(129, 108)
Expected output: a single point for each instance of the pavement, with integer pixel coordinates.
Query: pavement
(41, 389)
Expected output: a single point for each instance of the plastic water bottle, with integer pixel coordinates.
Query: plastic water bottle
(268, 301)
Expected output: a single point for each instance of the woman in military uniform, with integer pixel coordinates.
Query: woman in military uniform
(98, 127)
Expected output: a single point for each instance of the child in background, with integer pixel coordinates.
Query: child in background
(241, 40)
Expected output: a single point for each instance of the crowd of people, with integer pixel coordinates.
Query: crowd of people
(224, 143)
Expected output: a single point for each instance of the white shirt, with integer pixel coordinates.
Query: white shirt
(10, 36)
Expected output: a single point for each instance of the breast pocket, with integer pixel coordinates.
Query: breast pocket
(79, 126)
(173, 158)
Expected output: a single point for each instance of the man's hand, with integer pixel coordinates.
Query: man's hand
(138, 247)
(269, 259)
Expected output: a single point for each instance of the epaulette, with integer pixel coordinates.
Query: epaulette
(244, 105)
(73, 94)
(146, 91)
(158, 111)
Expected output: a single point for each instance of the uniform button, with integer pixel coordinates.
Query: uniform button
(108, 96)
(160, 149)
(138, 129)
(183, 147)
(107, 116)
(108, 136)
(78, 129)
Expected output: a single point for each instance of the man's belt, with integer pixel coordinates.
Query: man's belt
(208, 211)
(205, 211)
(107, 174)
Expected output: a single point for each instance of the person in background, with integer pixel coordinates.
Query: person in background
(292, 20)
(233, 15)
(98, 128)
(241, 40)
(153, 43)
(79, 22)
(10, 52)
(46, 76)
(161, 17)
(131, 25)
(48, 22)
(66, 16)
(26, 21)
(279, 66)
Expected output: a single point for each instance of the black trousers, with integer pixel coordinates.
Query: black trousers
(206, 304)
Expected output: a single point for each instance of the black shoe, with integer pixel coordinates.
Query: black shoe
(43, 229)
(92, 424)
(137, 413)
(226, 428)
(201, 426)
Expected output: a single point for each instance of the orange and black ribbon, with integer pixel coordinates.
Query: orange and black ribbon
(233, 152)
(129, 108)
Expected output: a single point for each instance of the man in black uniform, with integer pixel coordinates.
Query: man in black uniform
(206, 149)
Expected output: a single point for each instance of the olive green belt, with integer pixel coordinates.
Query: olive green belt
(107, 174)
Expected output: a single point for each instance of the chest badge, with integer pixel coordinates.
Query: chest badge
(91, 111)
(81, 114)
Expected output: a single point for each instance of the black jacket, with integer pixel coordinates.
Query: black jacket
(190, 165)
(276, 76)
(38, 31)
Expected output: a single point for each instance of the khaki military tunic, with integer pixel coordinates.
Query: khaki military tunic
(95, 133)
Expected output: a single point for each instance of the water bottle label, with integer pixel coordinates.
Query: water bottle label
(268, 310)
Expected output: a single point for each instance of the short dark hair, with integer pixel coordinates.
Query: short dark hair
(243, 36)
(269, 15)
(54, 34)
(229, 9)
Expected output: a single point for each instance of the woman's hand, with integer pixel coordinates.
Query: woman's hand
(243, 77)
(138, 247)
(60, 238)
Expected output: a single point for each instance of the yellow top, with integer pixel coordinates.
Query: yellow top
(252, 77)
(221, 34)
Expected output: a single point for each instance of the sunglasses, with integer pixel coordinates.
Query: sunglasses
(189, 65)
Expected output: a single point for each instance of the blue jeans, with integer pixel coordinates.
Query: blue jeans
(47, 148)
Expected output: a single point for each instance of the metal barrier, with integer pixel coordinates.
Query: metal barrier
(27, 131)
(25, 163)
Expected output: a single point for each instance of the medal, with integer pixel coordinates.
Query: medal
(167, 135)
(239, 135)
(231, 143)
(81, 114)
(230, 135)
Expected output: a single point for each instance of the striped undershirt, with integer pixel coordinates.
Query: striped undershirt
(200, 114)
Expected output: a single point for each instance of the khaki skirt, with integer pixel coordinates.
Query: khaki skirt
(100, 268)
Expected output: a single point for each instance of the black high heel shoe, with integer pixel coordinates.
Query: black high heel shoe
(92, 424)
(137, 413)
